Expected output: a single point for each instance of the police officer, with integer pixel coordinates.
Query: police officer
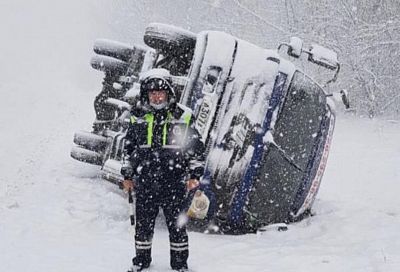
(164, 157)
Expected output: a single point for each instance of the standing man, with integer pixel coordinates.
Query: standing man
(164, 157)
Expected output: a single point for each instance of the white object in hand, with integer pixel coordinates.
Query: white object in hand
(199, 206)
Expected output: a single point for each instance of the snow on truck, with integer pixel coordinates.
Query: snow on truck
(267, 125)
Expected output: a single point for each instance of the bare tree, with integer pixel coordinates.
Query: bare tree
(364, 33)
(366, 36)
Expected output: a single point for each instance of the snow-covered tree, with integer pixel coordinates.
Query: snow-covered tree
(365, 34)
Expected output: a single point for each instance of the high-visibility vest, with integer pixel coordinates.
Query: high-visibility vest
(149, 119)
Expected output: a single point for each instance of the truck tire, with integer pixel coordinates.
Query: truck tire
(169, 39)
(109, 64)
(91, 141)
(88, 156)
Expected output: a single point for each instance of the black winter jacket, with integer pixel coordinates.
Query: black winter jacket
(163, 146)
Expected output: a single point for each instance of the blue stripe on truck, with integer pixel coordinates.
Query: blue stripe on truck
(251, 171)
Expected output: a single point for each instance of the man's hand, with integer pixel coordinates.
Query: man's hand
(192, 184)
(128, 184)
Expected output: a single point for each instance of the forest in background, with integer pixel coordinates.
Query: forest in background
(365, 34)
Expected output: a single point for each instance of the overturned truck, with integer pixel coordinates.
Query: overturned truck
(267, 125)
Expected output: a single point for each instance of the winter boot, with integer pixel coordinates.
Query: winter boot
(137, 268)
(140, 264)
(183, 269)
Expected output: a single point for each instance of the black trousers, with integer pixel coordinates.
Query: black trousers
(150, 197)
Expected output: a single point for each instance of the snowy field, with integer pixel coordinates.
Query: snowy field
(57, 215)
(63, 218)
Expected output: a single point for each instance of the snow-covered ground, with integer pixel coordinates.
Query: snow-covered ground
(63, 218)
(57, 215)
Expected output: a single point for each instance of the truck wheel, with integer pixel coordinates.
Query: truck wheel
(169, 39)
(113, 49)
(118, 50)
(109, 64)
(88, 156)
(90, 141)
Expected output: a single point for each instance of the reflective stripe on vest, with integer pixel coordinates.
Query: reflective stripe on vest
(186, 119)
(164, 137)
(150, 123)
